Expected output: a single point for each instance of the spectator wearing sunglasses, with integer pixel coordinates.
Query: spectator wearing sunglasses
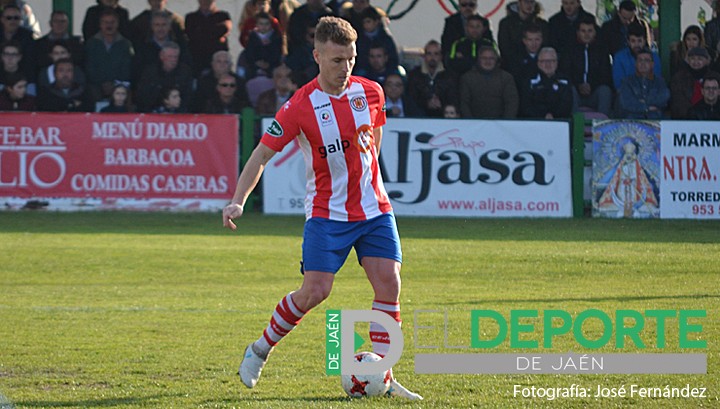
(11, 30)
(225, 101)
(220, 65)
(28, 19)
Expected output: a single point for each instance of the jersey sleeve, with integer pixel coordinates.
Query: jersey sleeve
(380, 118)
(284, 127)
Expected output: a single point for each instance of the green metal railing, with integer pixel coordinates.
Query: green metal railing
(577, 159)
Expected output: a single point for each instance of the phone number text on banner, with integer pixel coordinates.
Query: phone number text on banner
(690, 169)
(118, 161)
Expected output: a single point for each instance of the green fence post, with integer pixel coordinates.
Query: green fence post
(670, 31)
(577, 143)
(247, 144)
(66, 6)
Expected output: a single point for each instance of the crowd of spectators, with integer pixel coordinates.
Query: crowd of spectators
(161, 62)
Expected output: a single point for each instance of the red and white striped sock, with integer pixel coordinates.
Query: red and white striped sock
(285, 317)
(378, 334)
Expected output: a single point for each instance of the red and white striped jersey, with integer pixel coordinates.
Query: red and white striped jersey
(335, 134)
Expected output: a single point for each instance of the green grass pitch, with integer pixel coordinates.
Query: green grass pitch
(153, 310)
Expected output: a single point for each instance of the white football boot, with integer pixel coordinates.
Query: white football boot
(402, 392)
(251, 366)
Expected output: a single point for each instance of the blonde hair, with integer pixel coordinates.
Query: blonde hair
(335, 29)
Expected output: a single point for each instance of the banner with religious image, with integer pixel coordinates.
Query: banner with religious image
(626, 169)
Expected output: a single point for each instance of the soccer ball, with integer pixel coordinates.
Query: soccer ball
(357, 386)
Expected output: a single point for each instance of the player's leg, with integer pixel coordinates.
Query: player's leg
(380, 255)
(292, 308)
(289, 311)
(384, 276)
(324, 252)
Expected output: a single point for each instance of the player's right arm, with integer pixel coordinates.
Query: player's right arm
(246, 183)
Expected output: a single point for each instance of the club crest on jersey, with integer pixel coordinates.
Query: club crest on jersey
(358, 103)
(325, 118)
(275, 129)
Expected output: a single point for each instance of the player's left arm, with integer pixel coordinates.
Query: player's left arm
(377, 135)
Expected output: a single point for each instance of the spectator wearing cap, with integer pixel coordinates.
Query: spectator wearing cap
(14, 97)
(708, 108)
(549, 95)
(397, 103)
(643, 95)
(686, 84)
(487, 91)
(614, 32)
(624, 60)
(692, 37)
(454, 28)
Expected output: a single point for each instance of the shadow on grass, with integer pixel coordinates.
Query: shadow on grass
(210, 224)
(286, 402)
(94, 403)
